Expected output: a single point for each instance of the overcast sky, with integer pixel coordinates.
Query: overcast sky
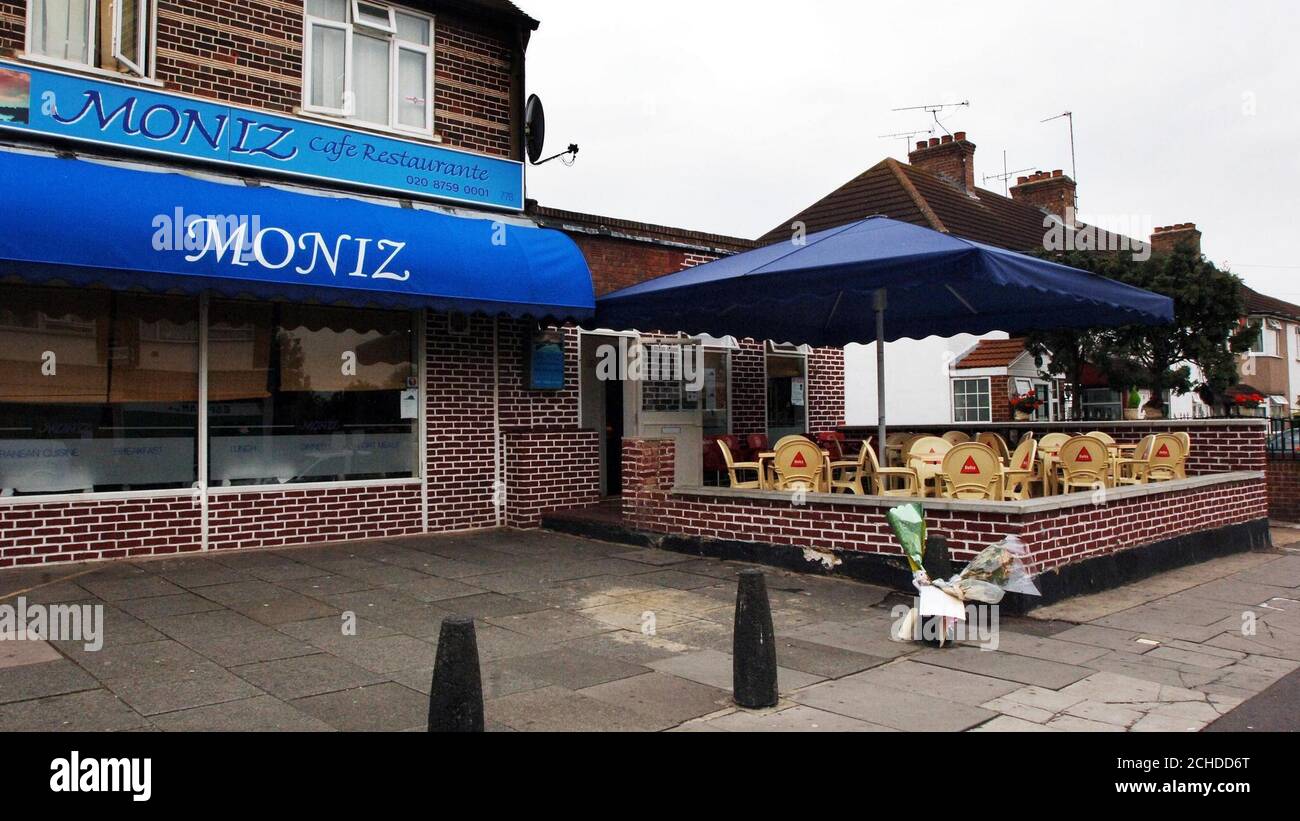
(731, 116)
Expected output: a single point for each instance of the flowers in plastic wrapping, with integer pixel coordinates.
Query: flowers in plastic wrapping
(997, 570)
(908, 523)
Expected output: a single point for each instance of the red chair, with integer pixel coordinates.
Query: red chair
(832, 441)
(713, 461)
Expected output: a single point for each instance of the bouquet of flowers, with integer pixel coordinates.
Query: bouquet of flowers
(997, 570)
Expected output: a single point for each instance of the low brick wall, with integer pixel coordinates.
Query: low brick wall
(286, 518)
(40, 533)
(1057, 531)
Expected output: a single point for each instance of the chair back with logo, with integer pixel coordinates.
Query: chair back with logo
(1025, 455)
(956, 437)
(1105, 437)
(996, 442)
(1166, 459)
(972, 471)
(928, 450)
(1085, 463)
(799, 464)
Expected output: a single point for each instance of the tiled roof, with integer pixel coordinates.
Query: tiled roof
(906, 193)
(992, 353)
(1258, 304)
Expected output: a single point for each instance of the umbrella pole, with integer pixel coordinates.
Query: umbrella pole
(881, 301)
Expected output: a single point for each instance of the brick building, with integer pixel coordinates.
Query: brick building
(268, 277)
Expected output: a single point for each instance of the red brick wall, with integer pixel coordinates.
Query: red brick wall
(749, 388)
(249, 52)
(39, 533)
(1053, 538)
(825, 389)
(1000, 397)
(550, 470)
(13, 24)
(286, 518)
(1284, 489)
(621, 263)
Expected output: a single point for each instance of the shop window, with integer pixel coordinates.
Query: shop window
(106, 34)
(309, 394)
(670, 383)
(98, 391)
(369, 62)
(971, 400)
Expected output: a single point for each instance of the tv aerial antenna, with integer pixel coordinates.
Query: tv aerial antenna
(934, 110)
(535, 135)
(1005, 176)
(1074, 167)
(906, 137)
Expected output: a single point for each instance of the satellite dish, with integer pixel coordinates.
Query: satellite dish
(534, 127)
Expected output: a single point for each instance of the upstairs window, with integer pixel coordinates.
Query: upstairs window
(369, 62)
(105, 34)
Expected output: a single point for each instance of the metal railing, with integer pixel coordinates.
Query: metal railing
(1283, 439)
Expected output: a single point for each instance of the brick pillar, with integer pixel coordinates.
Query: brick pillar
(649, 470)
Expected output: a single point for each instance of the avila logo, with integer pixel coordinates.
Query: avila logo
(116, 775)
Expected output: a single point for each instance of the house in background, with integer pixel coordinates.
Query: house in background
(993, 370)
(926, 383)
(1271, 367)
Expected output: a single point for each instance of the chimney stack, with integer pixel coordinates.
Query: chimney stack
(1052, 192)
(951, 157)
(1168, 237)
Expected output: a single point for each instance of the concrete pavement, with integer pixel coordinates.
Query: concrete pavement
(584, 635)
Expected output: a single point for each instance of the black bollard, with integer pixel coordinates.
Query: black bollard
(456, 696)
(753, 645)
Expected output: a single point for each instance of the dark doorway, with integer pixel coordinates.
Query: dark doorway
(613, 438)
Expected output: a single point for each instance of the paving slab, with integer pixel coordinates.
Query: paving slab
(204, 684)
(48, 678)
(925, 680)
(1048, 649)
(261, 714)
(877, 704)
(22, 652)
(385, 654)
(1011, 724)
(162, 606)
(715, 669)
(86, 711)
(386, 707)
(1007, 666)
(822, 659)
(133, 587)
(797, 719)
(555, 709)
(550, 625)
(869, 638)
(573, 669)
(306, 676)
(137, 660)
(661, 700)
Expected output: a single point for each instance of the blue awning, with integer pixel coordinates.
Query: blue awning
(83, 223)
(820, 292)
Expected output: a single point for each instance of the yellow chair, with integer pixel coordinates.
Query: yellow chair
(925, 456)
(851, 476)
(1165, 461)
(733, 466)
(1126, 470)
(1084, 463)
(1113, 447)
(1185, 439)
(971, 471)
(896, 448)
(1047, 448)
(799, 465)
(997, 443)
(1021, 471)
(956, 437)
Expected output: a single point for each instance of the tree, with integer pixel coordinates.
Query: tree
(1207, 331)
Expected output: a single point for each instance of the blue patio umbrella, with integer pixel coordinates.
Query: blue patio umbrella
(914, 282)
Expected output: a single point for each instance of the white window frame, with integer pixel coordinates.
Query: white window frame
(988, 383)
(146, 12)
(1267, 333)
(345, 109)
(396, 46)
(142, 24)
